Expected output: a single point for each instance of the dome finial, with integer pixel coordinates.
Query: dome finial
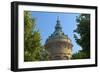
(57, 18)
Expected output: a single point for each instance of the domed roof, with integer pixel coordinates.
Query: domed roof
(58, 33)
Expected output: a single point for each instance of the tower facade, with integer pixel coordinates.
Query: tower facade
(58, 44)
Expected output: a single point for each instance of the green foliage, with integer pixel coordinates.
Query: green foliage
(80, 55)
(32, 38)
(83, 31)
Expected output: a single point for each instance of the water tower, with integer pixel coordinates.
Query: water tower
(58, 44)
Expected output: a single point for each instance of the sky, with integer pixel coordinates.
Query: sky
(46, 21)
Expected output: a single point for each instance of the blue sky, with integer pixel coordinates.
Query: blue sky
(46, 21)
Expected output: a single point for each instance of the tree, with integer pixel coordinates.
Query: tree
(32, 38)
(83, 31)
(79, 55)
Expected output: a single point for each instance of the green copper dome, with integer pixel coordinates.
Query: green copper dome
(58, 33)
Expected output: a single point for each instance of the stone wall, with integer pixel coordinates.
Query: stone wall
(59, 50)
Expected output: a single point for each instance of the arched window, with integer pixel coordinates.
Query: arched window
(65, 57)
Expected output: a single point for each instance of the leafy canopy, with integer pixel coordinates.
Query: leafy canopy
(32, 40)
(82, 35)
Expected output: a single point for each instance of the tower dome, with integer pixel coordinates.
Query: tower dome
(58, 44)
